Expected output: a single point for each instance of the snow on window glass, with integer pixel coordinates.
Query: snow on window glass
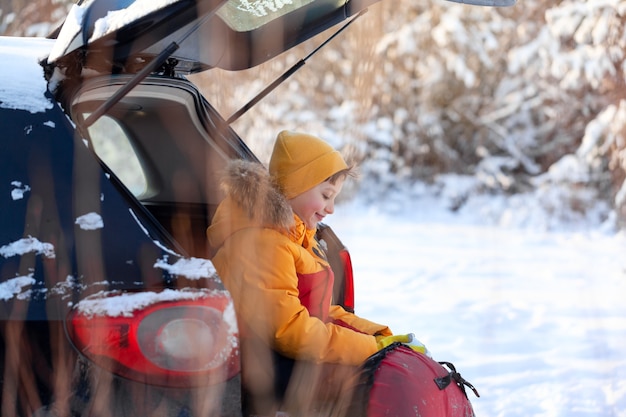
(245, 15)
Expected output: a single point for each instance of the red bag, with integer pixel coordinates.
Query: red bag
(399, 382)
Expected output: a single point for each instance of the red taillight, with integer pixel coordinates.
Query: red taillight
(348, 281)
(161, 340)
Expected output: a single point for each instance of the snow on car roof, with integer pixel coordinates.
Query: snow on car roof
(23, 85)
(117, 19)
(68, 39)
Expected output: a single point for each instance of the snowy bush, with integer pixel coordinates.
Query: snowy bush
(32, 18)
(511, 96)
(603, 150)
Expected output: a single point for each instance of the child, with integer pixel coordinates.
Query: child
(298, 350)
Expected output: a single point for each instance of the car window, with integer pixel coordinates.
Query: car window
(244, 16)
(113, 146)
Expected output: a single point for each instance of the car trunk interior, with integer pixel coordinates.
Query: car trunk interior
(177, 145)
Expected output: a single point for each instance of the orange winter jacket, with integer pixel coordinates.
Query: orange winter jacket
(280, 283)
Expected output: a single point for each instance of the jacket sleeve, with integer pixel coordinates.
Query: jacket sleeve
(266, 297)
(347, 319)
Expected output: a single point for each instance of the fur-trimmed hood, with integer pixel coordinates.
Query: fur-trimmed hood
(252, 200)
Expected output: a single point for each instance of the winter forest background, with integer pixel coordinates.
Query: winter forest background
(524, 103)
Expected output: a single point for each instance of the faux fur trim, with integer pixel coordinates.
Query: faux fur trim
(250, 185)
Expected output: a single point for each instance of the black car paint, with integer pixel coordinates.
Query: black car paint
(60, 180)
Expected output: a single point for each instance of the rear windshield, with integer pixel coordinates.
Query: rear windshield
(246, 15)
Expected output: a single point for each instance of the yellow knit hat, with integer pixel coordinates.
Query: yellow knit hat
(301, 161)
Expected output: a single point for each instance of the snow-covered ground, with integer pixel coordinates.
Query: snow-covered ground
(535, 320)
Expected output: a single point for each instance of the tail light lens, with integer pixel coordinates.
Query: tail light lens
(348, 280)
(341, 263)
(174, 338)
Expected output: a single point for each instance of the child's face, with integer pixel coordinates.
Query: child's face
(313, 205)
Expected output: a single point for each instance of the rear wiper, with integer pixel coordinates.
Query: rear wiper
(147, 70)
(287, 73)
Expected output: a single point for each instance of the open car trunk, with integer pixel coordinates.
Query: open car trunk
(227, 34)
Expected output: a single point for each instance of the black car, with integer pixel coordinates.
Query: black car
(110, 172)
